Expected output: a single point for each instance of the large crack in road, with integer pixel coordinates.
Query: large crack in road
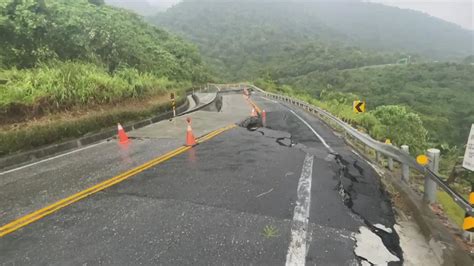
(375, 242)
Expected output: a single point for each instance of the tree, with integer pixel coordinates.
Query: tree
(402, 127)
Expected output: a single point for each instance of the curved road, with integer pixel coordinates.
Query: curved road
(288, 193)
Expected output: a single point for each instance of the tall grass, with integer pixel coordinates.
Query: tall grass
(60, 85)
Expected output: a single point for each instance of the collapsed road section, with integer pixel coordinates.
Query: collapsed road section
(367, 204)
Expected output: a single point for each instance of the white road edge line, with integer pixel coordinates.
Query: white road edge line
(314, 131)
(299, 227)
(308, 125)
(51, 158)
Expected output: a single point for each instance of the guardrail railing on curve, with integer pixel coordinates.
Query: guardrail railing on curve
(388, 150)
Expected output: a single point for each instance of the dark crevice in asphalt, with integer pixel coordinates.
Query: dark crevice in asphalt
(286, 142)
(255, 123)
(345, 186)
(251, 123)
(348, 175)
(364, 259)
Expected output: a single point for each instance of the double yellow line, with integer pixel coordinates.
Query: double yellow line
(36, 215)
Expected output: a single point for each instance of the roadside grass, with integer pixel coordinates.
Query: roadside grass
(59, 101)
(55, 131)
(450, 208)
(33, 135)
(59, 86)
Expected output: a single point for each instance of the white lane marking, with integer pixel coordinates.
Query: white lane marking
(299, 227)
(51, 158)
(314, 131)
(308, 125)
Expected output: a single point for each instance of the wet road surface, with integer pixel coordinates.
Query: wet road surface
(269, 195)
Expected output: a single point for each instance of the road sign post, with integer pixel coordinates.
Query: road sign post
(468, 161)
(173, 103)
(430, 186)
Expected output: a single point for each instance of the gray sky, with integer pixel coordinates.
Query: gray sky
(456, 11)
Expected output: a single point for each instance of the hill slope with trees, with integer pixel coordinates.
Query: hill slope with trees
(230, 32)
(60, 56)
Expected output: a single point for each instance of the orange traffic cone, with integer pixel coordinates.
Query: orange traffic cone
(123, 138)
(190, 139)
(254, 113)
(264, 117)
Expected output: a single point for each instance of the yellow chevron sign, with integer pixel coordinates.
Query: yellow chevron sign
(468, 224)
(358, 106)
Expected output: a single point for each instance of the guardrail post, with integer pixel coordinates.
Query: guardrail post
(377, 157)
(405, 168)
(430, 186)
(390, 163)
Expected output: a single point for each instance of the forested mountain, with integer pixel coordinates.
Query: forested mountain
(38, 31)
(246, 34)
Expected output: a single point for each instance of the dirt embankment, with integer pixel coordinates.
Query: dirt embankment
(25, 133)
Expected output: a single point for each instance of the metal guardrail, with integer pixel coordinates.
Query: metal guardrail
(386, 149)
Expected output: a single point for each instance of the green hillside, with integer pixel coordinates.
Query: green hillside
(237, 34)
(442, 93)
(57, 54)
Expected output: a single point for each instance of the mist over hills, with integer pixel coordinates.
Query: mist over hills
(353, 23)
(141, 7)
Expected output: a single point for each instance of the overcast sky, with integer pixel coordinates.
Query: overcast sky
(456, 11)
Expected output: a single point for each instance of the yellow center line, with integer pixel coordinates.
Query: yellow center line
(36, 215)
(255, 106)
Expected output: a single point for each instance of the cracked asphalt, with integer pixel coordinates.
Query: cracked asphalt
(216, 203)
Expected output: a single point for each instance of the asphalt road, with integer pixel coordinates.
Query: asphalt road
(288, 193)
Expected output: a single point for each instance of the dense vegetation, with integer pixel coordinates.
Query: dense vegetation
(442, 93)
(116, 56)
(242, 37)
(59, 86)
(392, 122)
(39, 30)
